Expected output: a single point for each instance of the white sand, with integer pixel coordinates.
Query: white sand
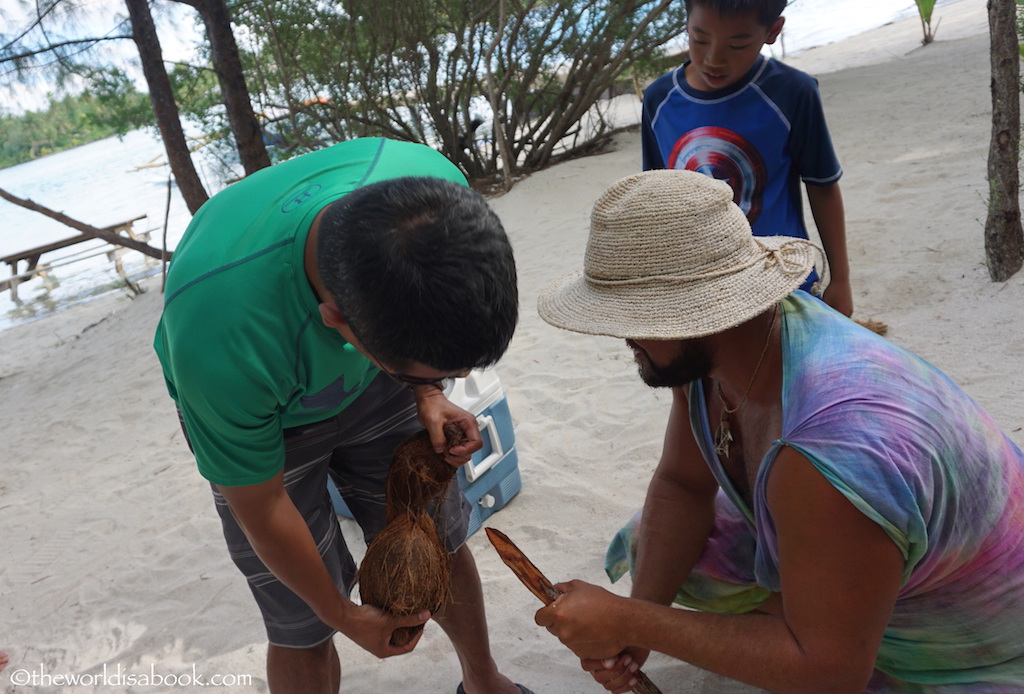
(112, 555)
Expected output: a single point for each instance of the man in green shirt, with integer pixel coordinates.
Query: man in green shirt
(313, 310)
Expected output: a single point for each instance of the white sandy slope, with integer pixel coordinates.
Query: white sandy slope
(112, 554)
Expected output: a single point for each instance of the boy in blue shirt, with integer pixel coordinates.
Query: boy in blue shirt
(755, 123)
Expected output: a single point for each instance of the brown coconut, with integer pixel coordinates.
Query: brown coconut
(418, 474)
(405, 570)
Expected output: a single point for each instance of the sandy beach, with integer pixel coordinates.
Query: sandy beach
(113, 562)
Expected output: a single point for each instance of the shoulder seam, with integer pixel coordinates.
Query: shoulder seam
(222, 268)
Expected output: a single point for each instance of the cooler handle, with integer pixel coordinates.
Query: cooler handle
(473, 471)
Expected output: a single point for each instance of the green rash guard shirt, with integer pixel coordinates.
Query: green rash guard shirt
(243, 348)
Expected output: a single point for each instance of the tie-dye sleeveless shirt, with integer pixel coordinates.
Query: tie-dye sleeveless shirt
(918, 456)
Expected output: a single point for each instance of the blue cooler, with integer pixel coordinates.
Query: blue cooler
(491, 478)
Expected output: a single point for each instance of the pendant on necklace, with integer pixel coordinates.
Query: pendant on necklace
(723, 436)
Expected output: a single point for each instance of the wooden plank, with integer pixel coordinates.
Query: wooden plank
(32, 255)
(105, 234)
(64, 243)
(45, 248)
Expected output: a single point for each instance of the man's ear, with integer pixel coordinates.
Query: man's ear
(775, 30)
(331, 315)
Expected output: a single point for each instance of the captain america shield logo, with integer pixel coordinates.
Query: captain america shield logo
(724, 154)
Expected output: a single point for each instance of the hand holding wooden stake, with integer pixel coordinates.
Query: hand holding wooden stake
(540, 586)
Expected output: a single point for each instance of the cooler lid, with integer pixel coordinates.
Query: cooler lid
(476, 392)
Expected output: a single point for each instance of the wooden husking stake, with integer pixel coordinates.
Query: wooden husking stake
(540, 586)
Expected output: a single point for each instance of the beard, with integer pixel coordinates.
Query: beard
(692, 362)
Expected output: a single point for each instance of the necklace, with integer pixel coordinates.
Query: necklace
(723, 435)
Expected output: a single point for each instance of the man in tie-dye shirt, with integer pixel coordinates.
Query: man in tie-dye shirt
(840, 515)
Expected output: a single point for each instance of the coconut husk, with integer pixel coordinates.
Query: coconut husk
(418, 474)
(405, 570)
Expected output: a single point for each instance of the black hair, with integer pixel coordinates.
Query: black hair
(766, 11)
(422, 270)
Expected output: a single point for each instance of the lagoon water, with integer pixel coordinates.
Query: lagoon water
(102, 183)
(98, 184)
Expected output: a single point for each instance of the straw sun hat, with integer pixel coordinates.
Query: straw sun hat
(671, 257)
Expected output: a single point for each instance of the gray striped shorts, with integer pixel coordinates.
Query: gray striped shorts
(354, 448)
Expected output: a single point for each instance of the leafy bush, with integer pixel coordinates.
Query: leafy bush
(498, 86)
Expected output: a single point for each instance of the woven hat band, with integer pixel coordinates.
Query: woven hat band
(789, 257)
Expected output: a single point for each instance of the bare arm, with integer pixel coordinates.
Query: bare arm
(678, 511)
(826, 204)
(278, 534)
(678, 515)
(840, 575)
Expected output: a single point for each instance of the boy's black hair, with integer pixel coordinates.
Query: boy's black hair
(766, 11)
(422, 271)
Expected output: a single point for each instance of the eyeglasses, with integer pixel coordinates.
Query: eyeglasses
(411, 381)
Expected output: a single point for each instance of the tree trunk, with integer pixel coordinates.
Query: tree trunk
(1004, 237)
(164, 107)
(227, 63)
(498, 126)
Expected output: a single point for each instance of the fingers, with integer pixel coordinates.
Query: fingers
(473, 443)
(615, 674)
(619, 684)
(414, 620)
(435, 427)
(435, 410)
(457, 457)
(463, 452)
(621, 663)
(545, 616)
